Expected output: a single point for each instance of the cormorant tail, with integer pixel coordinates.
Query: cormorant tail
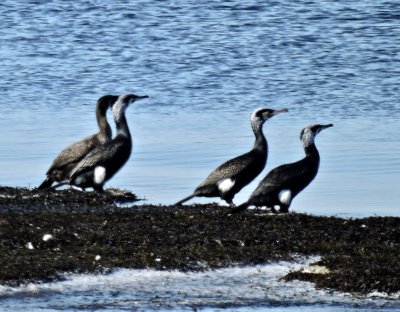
(46, 184)
(239, 208)
(59, 185)
(185, 199)
(45, 188)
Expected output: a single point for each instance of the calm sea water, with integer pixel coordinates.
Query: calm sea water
(206, 65)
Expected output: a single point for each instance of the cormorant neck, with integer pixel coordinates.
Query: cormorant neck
(122, 127)
(119, 109)
(104, 126)
(311, 151)
(260, 143)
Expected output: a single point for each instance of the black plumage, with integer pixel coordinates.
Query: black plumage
(230, 177)
(68, 158)
(283, 183)
(104, 161)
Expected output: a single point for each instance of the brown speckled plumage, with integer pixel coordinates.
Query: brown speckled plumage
(112, 155)
(68, 158)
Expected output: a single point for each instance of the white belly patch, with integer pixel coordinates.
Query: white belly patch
(225, 185)
(99, 175)
(285, 197)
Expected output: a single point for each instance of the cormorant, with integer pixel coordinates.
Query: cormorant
(283, 183)
(230, 177)
(66, 161)
(105, 160)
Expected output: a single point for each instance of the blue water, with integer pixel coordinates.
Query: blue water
(206, 65)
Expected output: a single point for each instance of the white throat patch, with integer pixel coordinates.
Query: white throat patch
(253, 115)
(256, 122)
(99, 175)
(225, 185)
(308, 137)
(119, 108)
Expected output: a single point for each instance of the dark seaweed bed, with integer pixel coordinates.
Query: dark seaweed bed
(90, 233)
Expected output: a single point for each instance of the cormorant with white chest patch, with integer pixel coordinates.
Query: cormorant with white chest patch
(283, 183)
(66, 161)
(230, 177)
(103, 162)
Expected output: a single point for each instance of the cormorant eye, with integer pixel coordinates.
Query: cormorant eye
(261, 112)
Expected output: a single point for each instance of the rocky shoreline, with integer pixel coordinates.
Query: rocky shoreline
(44, 235)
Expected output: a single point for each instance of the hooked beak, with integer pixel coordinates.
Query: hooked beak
(322, 127)
(278, 111)
(140, 97)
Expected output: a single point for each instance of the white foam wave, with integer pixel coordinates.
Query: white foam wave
(238, 286)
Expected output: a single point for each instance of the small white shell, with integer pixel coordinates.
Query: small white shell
(47, 237)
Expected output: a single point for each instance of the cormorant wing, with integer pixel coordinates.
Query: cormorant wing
(99, 156)
(73, 153)
(285, 177)
(230, 169)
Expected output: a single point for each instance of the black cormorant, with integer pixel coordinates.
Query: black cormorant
(66, 161)
(230, 177)
(105, 160)
(283, 183)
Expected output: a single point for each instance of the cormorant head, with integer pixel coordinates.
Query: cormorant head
(105, 102)
(307, 134)
(122, 102)
(259, 116)
(130, 98)
(125, 99)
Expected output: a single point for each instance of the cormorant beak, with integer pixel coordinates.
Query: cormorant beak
(137, 98)
(278, 111)
(140, 97)
(322, 127)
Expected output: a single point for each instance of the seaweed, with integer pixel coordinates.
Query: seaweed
(43, 236)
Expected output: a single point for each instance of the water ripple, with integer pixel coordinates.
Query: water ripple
(212, 64)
